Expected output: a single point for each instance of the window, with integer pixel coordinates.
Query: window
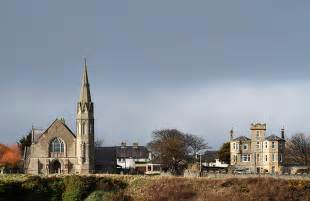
(257, 133)
(280, 157)
(280, 145)
(246, 158)
(257, 145)
(56, 146)
(83, 128)
(245, 146)
(273, 157)
(266, 145)
(266, 158)
(273, 144)
(234, 145)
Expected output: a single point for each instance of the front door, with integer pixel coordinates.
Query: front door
(55, 167)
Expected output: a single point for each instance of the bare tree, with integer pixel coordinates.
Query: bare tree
(99, 142)
(298, 150)
(196, 143)
(174, 149)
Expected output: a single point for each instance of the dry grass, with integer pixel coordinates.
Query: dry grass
(159, 188)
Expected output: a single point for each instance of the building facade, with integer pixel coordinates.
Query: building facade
(258, 154)
(59, 150)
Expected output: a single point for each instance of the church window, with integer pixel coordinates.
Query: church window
(83, 151)
(83, 128)
(57, 146)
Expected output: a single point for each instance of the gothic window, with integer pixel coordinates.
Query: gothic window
(83, 128)
(56, 146)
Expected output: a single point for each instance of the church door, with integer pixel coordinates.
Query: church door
(55, 167)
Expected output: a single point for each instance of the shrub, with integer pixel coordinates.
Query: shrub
(77, 188)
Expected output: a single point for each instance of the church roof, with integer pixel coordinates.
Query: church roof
(38, 132)
(241, 138)
(273, 138)
(85, 91)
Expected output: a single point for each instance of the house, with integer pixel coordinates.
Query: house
(258, 154)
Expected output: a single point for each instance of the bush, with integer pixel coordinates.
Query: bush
(78, 188)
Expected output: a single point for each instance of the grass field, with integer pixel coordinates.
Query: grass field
(152, 188)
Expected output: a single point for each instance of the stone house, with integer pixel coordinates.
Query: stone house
(258, 154)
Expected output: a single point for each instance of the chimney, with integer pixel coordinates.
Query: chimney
(231, 134)
(135, 145)
(282, 133)
(123, 144)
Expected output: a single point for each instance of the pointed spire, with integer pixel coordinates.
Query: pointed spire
(85, 91)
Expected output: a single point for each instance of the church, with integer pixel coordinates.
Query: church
(57, 149)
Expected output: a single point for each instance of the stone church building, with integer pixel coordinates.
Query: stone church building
(58, 149)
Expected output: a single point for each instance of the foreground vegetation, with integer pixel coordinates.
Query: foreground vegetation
(141, 188)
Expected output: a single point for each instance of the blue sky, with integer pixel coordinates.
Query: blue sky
(200, 66)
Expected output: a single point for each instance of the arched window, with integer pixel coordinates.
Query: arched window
(56, 146)
(83, 128)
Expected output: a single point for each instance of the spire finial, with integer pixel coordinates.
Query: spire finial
(85, 62)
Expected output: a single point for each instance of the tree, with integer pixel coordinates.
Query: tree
(98, 142)
(25, 141)
(196, 143)
(173, 149)
(297, 150)
(9, 156)
(224, 153)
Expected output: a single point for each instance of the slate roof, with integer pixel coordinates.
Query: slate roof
(105, 155)
(241, 138)
(132, 152)
(273, 138)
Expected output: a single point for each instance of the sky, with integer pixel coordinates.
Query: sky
(202, 67)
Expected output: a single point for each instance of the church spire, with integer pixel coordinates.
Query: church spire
(85, 91)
